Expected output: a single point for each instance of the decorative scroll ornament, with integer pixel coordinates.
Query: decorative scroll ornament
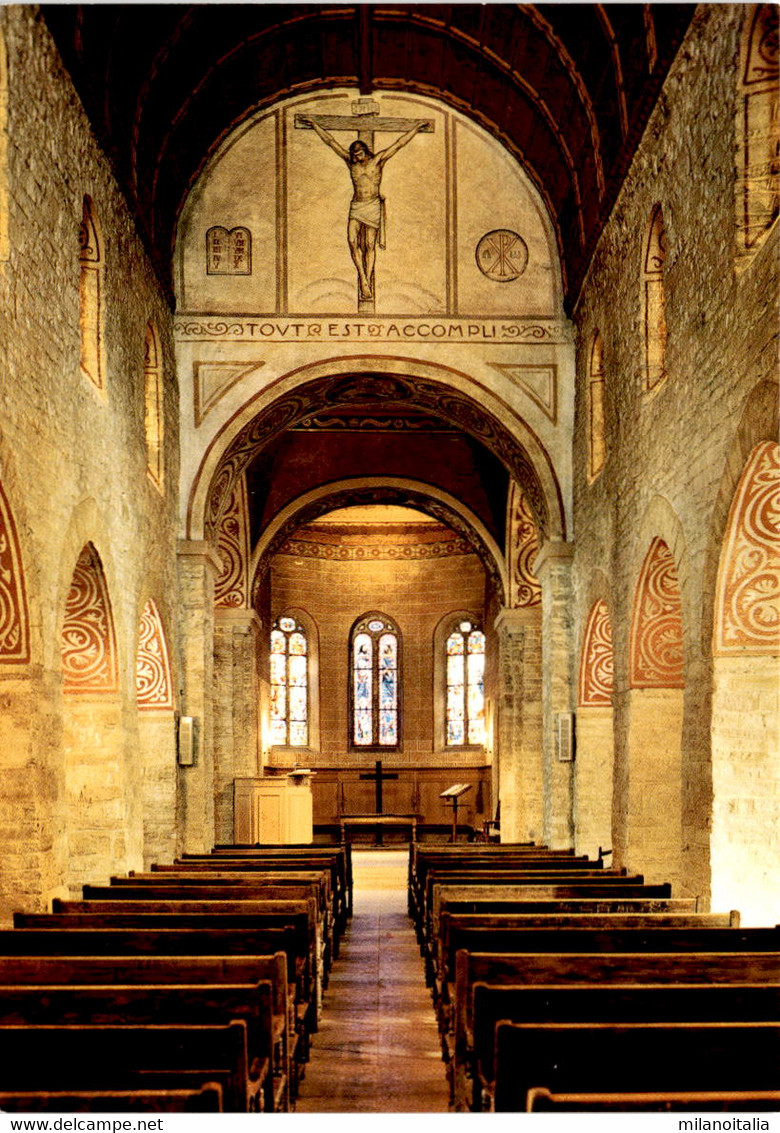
(524, 537)
(656, 632)
(231, 588)
(596, 671)
(89, 662)
(14, 619)
(153, 686)
(748, 595)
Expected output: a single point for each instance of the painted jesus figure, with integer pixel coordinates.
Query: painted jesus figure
(367, 208)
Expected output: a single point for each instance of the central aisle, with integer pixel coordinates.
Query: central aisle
(377, 1049)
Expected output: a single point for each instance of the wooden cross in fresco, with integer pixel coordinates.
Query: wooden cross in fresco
(365, 226)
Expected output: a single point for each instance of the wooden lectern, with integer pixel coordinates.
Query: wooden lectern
(274, 809)
(452, 795)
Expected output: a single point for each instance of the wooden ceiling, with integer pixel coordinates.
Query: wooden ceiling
(567, 88)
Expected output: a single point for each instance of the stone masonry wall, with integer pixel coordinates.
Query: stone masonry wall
(668, 454)
(72, 461)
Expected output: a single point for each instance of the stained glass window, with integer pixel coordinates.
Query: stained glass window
(289, 684)
(465, 715)
(375, 683)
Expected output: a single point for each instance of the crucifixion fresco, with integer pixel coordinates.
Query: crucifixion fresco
(366, 222)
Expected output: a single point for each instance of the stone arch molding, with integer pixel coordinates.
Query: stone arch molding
(341, 382)
(414, 493)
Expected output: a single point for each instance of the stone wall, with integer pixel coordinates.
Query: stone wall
(673, 457)
(73, 467)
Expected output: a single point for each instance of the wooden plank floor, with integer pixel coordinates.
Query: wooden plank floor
(377, 1050)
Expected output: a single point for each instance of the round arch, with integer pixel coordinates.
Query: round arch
(381, 490)
(337, 382)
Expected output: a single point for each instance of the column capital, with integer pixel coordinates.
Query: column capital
(200, 551)
(553, 552)
(510, 620)
(239, 619)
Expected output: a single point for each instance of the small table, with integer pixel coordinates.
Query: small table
(379, 820)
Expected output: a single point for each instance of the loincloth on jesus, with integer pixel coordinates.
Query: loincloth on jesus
(371, 213)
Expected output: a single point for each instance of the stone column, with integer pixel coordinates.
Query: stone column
(553, 568)
(518, 765)
(198, 569)
(236, 708)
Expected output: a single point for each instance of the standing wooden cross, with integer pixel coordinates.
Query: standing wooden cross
(366, 221)
(379, 776)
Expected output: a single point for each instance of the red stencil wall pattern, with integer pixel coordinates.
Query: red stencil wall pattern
(656, 630)
(14, 620)
(89, 661)
(747, 617)
(596, 670)
(153, 686)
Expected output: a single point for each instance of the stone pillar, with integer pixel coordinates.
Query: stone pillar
(198, 568)
(236, 708)
(553, 568)
(518, 765)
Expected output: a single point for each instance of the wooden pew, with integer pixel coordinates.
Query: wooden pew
(142, 1004)
(455, 930)
(125, 1057)
(206, 1099)
(602, 1003)
(331, 863)
(515, 887)
(200, 889)
(690, 1101)
(191, 941)
(578, 936)
(574, 1057)
(551, 968)
(298, 919)
(342, 851)
(150, 971)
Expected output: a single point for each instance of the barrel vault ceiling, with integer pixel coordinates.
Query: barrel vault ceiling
(568, 88)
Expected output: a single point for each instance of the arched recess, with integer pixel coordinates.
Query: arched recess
(96, 789)
(156, 736)
(758, 128)
(597, 440)
(5, 244)
(651, 809)
(362, 380)
(154, 417)
(594, 765)
(379, 490)
(654, 301)
(91, 313)
(745, 839)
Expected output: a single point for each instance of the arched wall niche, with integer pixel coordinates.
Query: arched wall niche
(594, 765)
(745, 736)
(409, 493)
(407, 382)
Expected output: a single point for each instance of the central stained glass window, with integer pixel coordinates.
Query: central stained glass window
(375, 683)
(465, 685)
(289, 684)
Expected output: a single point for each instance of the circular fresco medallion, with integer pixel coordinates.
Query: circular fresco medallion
(502, 255)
